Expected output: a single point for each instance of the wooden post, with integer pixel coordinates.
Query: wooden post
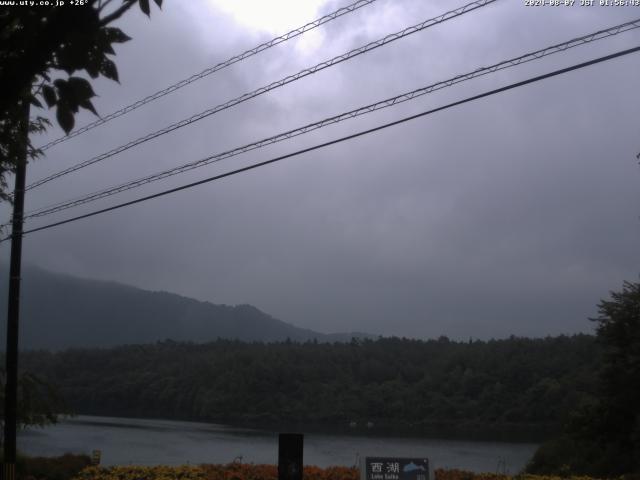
(290, 453)
(13, 311)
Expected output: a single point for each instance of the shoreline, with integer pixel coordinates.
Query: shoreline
(463, 433)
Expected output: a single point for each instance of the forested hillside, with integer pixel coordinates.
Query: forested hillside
(62, 311)
(513, 388)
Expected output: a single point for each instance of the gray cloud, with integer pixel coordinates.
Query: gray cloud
(511, 215)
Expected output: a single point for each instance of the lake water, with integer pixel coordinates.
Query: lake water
(125, 441)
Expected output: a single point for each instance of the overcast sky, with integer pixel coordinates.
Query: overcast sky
(513, 214)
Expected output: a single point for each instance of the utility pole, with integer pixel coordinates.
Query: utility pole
(13, 311)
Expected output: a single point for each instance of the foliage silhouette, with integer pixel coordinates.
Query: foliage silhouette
(39, 43)
(602, 437)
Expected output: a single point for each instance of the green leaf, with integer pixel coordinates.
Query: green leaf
(89, 106)
(107, 48)
(144, 6)
(63, 92)
(63, 61)
(109, 70)
(36, 102)
(115, 35)
(74, 54)
(81, 88)
(49, 95)
(92, 64)
(60, 84)
(65, 118)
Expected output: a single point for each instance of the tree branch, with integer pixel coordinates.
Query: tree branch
(127, 4)
(102, 5)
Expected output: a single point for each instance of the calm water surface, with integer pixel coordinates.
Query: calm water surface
(126, 441)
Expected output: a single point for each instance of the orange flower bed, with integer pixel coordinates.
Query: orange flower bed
(232, 471)
(238, 471)
(464, 475)
(454, 474)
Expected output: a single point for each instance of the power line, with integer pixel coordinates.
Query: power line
(536, 55)
(339, 140)
(208, 71)
(291, 78)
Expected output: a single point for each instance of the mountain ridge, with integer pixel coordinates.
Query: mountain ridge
(60, 311)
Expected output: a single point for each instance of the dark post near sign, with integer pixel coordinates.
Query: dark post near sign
(290, 448)
(394, 468)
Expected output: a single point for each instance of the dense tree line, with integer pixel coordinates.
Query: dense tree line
(602, 437)
(497, 388)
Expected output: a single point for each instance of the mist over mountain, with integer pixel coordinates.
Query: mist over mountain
(61, 311)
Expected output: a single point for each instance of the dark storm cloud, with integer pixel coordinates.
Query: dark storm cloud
(511, 215)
